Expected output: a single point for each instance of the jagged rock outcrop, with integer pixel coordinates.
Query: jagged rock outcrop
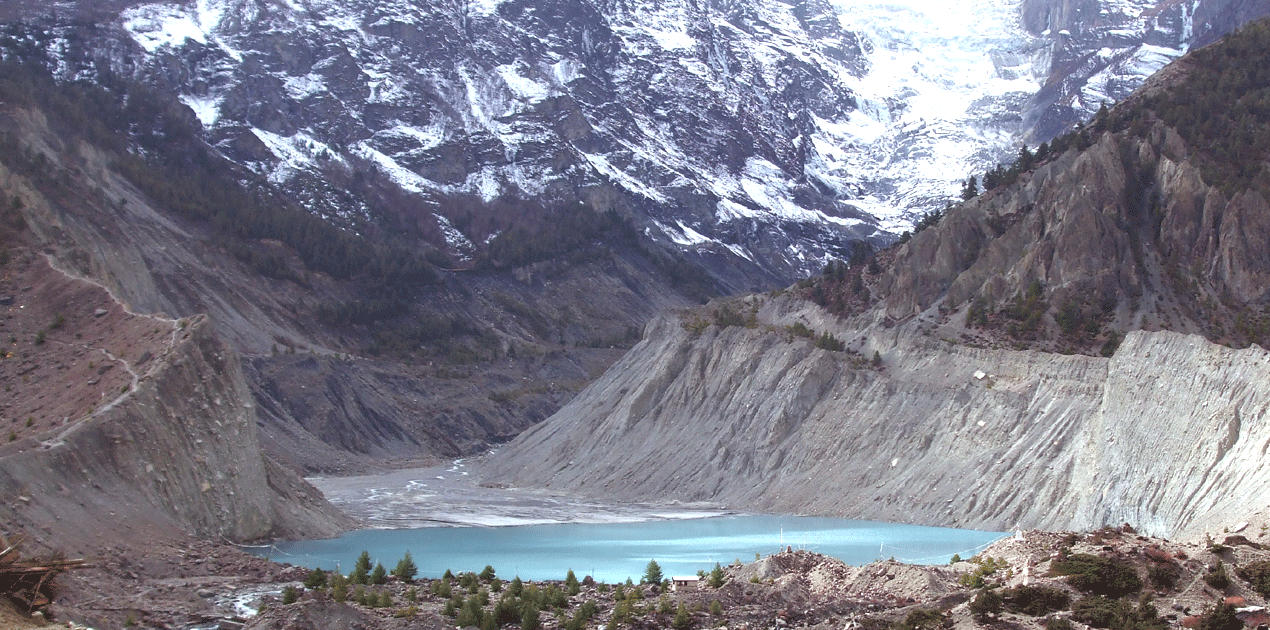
(1123, 235)
(1165, 434)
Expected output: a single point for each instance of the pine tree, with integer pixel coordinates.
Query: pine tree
(339, 587)
(379, 575)
(406, 568)
(970, 189)
(361, 569)
(571, 583)
(652, 573)
(683, 619)
(716, 576)
(529, 617)
(315, 579)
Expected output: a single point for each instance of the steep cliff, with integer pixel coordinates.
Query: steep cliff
(172, 452)
(1164, 434)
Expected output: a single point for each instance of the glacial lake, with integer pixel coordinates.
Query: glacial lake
(612, 552)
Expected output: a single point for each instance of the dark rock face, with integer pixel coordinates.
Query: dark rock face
(1129, 224)
(654, 111)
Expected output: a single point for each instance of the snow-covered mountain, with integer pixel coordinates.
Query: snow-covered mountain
(766, 136)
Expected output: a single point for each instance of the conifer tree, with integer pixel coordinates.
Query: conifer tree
(406, 568)
(716, 576)
(652, 573)
(360, 570)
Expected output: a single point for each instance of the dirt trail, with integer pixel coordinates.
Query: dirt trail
(73, 351)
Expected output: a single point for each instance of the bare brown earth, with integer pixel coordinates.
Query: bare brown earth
(68, 348)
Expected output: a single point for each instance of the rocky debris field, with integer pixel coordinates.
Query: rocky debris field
(1118, 575)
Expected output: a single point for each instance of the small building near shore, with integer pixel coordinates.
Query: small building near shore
(685, 583)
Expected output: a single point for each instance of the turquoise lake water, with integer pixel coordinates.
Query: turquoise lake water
(612, 552)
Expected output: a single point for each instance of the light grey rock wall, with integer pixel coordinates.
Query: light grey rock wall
(1165, 435)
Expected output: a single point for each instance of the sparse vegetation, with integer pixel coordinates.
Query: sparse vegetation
(987, 605)
(1217, 577)
(1098, 575)
(986, 566)
(1034, 601)
(923, 619)
(1257, 574)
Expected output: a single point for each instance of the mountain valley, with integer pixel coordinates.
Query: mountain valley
(641, 251)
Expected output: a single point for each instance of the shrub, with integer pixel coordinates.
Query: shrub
(1103, 612)
(361, 569)
(987, 605)
(664, 607)
(716, 608)
(487, 574)
(1217, 577)
(529, 617)
(923, 619)
(717, 576)
(1220, 617)
(1035, 601)
(987, 566)
(1098, 575)
(315, 579)
(1258, 575)
(290, 595)
(828, 342)
(1058, 623)
(1163, 577)
(339, 587)
(683, 619)
(470, 614)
